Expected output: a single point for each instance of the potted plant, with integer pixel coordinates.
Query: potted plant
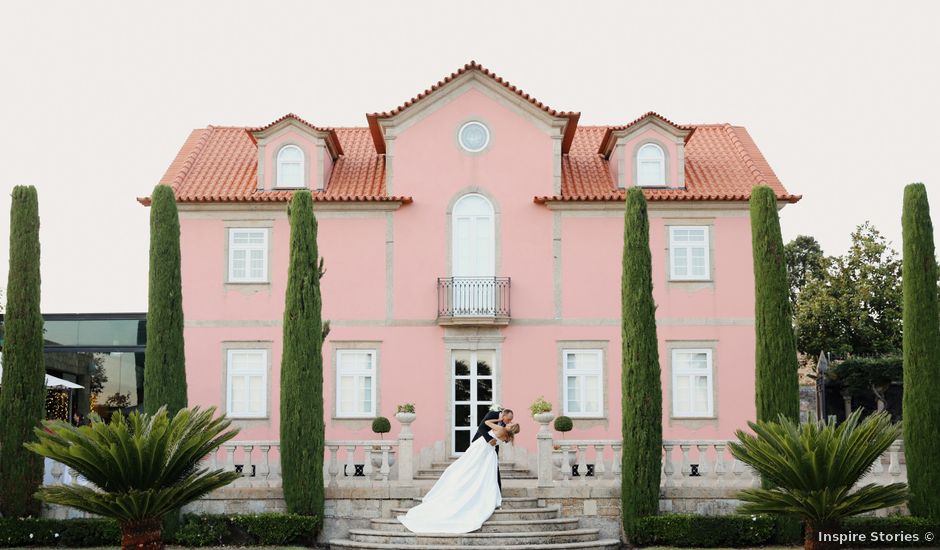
(562, 425)
(542, 412)
(381, 426)
(406, 413)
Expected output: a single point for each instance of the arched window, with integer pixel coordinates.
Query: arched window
(650, 165)
(290, 167)
(474, 257)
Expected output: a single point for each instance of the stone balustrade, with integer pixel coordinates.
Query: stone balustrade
(685, 463)
(345, 461)
(588, 459)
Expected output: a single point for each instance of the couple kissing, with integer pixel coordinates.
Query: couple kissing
(470, 489)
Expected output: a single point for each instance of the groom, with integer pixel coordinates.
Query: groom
(505, 416)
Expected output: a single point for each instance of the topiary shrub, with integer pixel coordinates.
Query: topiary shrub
(690, 530)
(563, 424)
(381, 426)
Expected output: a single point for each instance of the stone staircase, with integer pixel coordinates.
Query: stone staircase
(506, 471)
(520, 524)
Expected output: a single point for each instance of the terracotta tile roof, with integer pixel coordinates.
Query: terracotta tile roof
(606, 143)
(472, 66)
(722, 162)
(332, 139)
(220, 164)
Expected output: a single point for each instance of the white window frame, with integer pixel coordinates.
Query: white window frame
(248, 248)
(673, 246)
(661, 182)
(233, 372)
(303, 167)
(582, 372)
(358, 375)
(709, 373)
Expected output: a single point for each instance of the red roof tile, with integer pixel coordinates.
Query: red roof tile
(220, 164)
(472, 66)
(722, 162)
(331, 138)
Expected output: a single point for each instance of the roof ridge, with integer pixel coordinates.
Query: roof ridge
(745, 156)
(192, 156)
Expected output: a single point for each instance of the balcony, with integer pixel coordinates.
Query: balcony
(470, 301)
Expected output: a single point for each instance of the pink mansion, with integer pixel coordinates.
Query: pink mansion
(472, 239)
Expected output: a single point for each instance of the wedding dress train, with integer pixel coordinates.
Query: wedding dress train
(463, 498)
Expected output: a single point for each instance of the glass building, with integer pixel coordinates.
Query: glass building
(101, 352)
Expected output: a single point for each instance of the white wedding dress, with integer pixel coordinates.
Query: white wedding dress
(463, 498)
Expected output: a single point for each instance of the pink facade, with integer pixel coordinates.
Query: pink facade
(557, 238)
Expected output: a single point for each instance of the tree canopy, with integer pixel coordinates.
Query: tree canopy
(853, 304)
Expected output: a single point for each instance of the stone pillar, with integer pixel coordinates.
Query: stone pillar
(405, 449)
(544, 439)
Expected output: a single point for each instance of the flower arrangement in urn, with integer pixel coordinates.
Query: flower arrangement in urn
(541, 411)
(406, 413)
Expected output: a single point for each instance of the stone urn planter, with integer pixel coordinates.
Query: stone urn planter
(405, 418)
(543, 418)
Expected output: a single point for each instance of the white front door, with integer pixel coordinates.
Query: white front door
(474, 257)
(472, 395)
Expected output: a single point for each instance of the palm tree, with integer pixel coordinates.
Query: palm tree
(812, 468)
(142, 467)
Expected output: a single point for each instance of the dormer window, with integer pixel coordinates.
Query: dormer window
(650, 166)
(290, 167)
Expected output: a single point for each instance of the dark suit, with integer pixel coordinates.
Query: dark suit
(484, 431)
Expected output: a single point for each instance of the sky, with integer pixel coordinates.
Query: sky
(96, 97)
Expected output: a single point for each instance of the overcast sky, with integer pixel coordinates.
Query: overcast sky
(96, 97)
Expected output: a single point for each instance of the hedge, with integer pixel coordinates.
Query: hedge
(740, 531)
(73, 533)
(272, 529)
(691, 530)
(893, 525)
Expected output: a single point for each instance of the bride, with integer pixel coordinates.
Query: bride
(466, 494)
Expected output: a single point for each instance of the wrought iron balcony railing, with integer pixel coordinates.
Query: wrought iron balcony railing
(473, 299)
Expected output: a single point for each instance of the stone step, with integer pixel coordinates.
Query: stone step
(502, 467)
(472, 539)
(495, 526)
(603, 544)
(548, 512)
(435, 474)
(509, 502)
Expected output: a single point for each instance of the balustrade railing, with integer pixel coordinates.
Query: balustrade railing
(473, 298)
(352, 461)
(686, 463)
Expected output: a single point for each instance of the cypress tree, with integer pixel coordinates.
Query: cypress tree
(921, 355)
(164, 362)
(641, 386)
(302, 427)
(777, 384)
(23, 388)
